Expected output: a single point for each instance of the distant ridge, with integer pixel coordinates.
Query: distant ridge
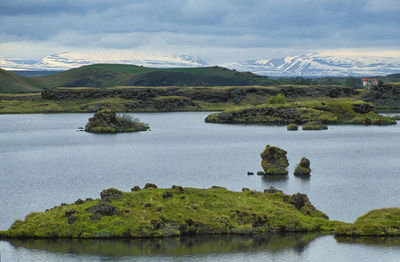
(110, 75)
(313, 64)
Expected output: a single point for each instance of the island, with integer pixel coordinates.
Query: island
(161, 212)
(107, 121)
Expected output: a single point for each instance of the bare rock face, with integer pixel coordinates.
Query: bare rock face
(274, 161)
(303, 168)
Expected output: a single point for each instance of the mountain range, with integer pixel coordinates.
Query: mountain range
(313, 64)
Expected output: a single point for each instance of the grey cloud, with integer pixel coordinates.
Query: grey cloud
(202, 23)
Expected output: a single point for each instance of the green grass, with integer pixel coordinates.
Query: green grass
(146, 213)
(378, 222)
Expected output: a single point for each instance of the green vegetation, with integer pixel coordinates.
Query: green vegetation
(326, 112)
(153, 212)
(378, 222)
(292, 127)
(314, 125)
(13, 83)
(278, 99)
(107, 121)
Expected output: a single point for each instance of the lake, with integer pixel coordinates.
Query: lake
(45, 161)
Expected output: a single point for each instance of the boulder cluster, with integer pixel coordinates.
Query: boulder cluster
(274, 162)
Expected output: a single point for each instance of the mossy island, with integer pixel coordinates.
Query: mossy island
(316, 113)
(107, 121)
(158, 212)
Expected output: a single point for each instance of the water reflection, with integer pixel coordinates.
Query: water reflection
(176, 246)
(370, 241)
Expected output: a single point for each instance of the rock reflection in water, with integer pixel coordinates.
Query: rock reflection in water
(370, 241)
(174, 246)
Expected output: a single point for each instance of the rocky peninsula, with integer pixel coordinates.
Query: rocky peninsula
(325, 112)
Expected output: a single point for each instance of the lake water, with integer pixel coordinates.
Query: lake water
(45, 161)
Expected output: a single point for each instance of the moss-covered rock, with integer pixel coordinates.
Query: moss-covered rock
(175, 212)
(303, 168)
(107, 121)
(274, 161)
(292, 127)
(378, 222)
(314, 125)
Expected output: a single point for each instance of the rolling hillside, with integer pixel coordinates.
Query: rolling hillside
(13, 83)
(108, 75)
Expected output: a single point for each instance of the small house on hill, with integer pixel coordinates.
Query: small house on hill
(369, 82)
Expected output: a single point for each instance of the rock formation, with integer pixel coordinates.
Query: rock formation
(303, 168)
(274, 161)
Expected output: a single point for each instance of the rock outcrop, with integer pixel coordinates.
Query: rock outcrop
(303, 168)
(274, 161)
(107, 121)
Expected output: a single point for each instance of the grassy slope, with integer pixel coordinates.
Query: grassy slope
(378, 222)
(108, 75)
(146, 213)
(13, 83)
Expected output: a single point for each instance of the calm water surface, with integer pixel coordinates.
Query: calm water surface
(45, 161)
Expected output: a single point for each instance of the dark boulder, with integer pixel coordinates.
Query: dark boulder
(245, 189)
(250, 173)
(179, 188)
(102, 208)
(135, 188)
(303, 168)
(110, 194)
(274, 161)
(299, 200)
(218, 187)
(167, 194)
(150, 185)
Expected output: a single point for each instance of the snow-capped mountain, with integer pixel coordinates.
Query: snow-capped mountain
(314, 64)
(321, 64)
(68, 60)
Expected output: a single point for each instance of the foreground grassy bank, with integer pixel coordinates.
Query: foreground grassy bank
(153, 212)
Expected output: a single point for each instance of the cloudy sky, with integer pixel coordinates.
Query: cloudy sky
(215, 30)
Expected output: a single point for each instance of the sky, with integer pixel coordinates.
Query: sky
(216, 30)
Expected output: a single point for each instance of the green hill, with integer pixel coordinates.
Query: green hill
(108, 75)
(13, 83)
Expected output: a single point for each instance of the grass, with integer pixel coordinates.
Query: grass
(148, 213)
(378, 222)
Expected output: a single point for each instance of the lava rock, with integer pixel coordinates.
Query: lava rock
(167, 194)
(303, 168)
(110, 194)
(102, 209)
(274, 161)
(299, 200)
(150, 185)
(179, 188)
(135, 188)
